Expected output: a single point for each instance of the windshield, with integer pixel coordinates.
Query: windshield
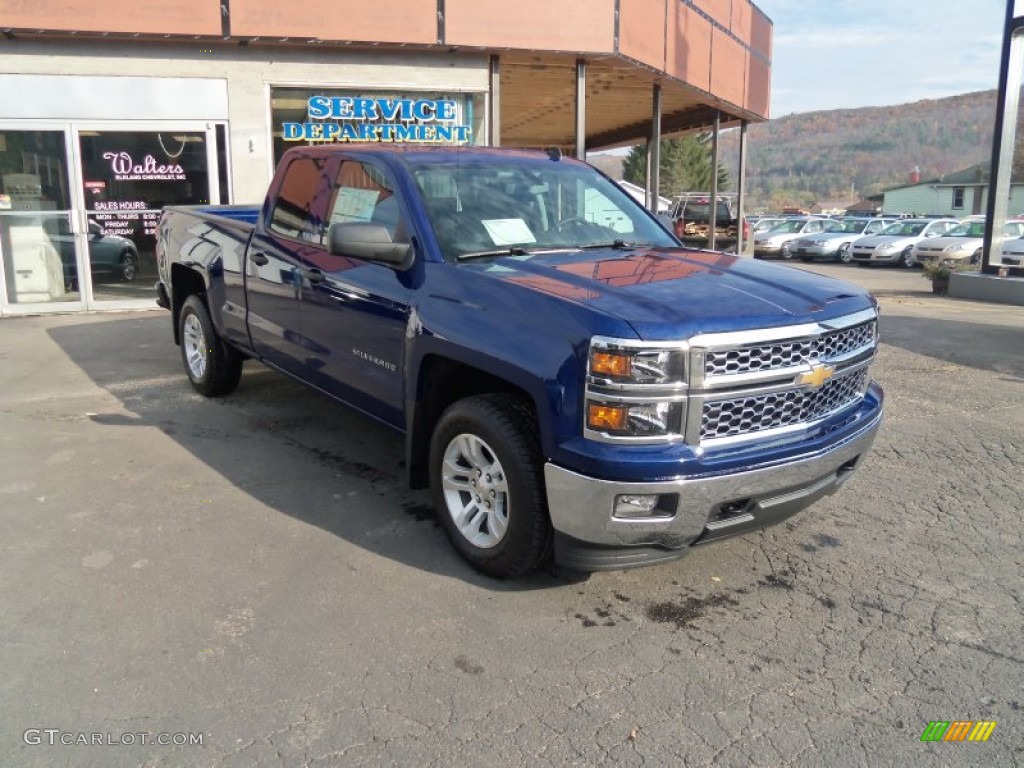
(905, 228)
(521, 205)
(853, 226)
(968, 229)
(784, 227)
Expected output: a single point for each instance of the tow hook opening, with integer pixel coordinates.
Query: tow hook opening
(732, 509)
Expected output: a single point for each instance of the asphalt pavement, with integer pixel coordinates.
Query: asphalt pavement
(251, 573)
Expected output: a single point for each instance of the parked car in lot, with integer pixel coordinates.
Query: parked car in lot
(764, 223)
(110, 256)
(777, 242)
(895, 243)
(1012, 251)
(836, 245)
(961, 244)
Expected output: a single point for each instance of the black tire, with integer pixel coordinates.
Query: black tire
(907, 258)
(975, 258)
(845, 253)
(128, 266)
(504, 431)
(785, 252)
(213, 368)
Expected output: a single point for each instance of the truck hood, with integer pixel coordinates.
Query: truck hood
(674, 293)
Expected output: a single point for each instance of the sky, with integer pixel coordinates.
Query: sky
(837, 54)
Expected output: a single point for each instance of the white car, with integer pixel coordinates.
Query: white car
(963, 243)
(895, 244)
(777, 242)
(1013, 251)
(836, 245)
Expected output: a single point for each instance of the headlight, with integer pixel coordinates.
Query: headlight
(635, 391)
(953, 248)
(819, 242)
(886, 246)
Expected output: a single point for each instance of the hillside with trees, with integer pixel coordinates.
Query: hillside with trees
(847, 154)
(842, 154)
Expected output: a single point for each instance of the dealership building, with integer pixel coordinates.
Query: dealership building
(112, 110)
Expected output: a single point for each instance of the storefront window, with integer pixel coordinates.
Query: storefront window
(36, 246)
(312, 116)
(128, 176)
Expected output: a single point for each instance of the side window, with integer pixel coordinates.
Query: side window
(295, 211)
(363, 194)
(874, 226)
(813, 227)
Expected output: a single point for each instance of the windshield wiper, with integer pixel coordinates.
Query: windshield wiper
(513, 251)
(621, 245)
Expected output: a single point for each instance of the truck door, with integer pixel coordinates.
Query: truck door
(278, 250)
(355, 313)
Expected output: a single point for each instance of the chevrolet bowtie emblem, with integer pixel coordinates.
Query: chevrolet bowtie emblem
(817, 376)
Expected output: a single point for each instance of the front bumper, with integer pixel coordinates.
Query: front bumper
(589, 537)
(890, 256)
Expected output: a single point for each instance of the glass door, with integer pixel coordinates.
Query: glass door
(128, 175)
(39, 261)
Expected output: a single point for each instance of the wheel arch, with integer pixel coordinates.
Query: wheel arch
(441, 381)
(185, 282)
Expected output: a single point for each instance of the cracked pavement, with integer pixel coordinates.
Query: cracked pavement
(252, 569)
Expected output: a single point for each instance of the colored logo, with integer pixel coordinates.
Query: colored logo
(958, 730)
(817, 376)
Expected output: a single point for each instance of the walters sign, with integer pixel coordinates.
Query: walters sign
(348, 118)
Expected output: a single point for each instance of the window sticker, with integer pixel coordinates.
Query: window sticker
(354, 205)
(508, 231)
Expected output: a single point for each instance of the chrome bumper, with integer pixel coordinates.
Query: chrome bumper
(590, 537)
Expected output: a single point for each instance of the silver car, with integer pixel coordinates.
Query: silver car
(962, 244)
(777, 242)
(895, 243)
(836, 245)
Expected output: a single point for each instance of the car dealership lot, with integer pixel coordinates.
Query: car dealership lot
(252, 569)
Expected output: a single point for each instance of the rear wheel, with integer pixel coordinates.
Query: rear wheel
(213, 368)
(907, 258)
(487, 484)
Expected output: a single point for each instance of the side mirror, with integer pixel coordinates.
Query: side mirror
(371, 242)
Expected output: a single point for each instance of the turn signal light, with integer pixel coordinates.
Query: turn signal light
(611, 364)
(602, 417)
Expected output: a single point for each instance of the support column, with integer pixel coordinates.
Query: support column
(713, 208)
(494, 116)
(647, 174)
(741, 189)
(581, 109)
(654, 150)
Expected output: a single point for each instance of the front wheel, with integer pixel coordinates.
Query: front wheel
(907, 258)
(128, 266)
(786, 251)
(212, 368)
(845, 253)
(487, 484)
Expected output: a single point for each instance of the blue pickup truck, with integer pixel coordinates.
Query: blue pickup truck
(569, 379)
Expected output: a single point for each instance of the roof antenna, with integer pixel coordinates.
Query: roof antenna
(555, 153)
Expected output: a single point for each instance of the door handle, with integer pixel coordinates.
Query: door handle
(314, 275)
(259, 259)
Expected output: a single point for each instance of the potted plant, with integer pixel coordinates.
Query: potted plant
(939, 270)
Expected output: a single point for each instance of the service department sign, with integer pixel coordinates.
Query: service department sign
(399, 121)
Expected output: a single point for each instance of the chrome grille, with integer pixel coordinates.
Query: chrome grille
(746, 415)
(786, 354)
